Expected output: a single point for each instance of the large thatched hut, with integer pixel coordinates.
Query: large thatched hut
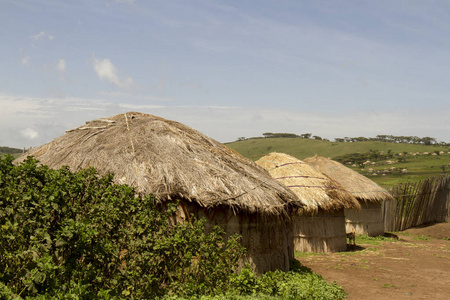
(320, 225)
(175, 162)
(369, 219)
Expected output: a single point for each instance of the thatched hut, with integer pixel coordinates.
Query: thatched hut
(175, 162)
(369, 219)
(320, 225)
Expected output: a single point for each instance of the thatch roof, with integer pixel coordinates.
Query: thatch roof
(169, 160)
(360, 186)
(314, 189)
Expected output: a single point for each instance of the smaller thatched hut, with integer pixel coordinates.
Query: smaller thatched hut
(320, 225)
(369, 219)
(175, 162)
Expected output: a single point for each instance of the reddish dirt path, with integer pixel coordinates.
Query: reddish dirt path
(410, 268)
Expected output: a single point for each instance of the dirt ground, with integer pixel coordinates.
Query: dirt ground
(416, 266)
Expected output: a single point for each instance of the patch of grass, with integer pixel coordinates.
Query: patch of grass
(349, 253)
(403, 233)
(308, 254)
(366, 267)
(338, 266)
(421, 237)
(369, 240)
(388, 285)
(371, 249)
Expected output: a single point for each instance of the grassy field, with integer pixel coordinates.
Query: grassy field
(417, 166)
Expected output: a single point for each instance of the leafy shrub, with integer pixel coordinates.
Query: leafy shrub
(71, 235)
(76, 235)
(299, 283)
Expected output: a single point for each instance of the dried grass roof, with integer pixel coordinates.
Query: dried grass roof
(314, 189)
(360, 186)
(169, 160)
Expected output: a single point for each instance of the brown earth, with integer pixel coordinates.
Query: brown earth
(416, 266)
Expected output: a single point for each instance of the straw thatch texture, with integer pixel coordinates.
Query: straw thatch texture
(369, 220)
(361, 187)
(314, 189)
(320, 226)
(323, 232)
(169, 160)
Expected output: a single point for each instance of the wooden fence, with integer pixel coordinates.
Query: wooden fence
(418, 203)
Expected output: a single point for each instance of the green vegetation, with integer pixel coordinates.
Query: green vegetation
(66, 235)
(307, 254)
(363, 239)
(13, 151)
(421, 237)
(387, 163)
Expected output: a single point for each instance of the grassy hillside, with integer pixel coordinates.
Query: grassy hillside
(8, 150)
(405, 156)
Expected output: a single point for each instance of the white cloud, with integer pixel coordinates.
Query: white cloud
(106, 70)
(25, 60)
(134, 96)
(42, 35)
(61, 65)
(29, 133)
(29, 121)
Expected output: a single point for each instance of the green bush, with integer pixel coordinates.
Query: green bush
(299, 283)
(78, 235)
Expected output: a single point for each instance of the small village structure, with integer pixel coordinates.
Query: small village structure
(175, 162)
(369, 219)
(320, 225)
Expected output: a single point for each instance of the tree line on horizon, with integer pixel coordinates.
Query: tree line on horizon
(380, 138)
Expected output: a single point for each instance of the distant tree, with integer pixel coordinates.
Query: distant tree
(428, 140)
(306, 135)
(317, 137)
(280, 135)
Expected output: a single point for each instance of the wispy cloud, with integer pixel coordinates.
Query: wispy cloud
(25, 60)
(61, 65)
(29, 121)
(29, 133)
(42, 35)
(106, 70)
(133, 96)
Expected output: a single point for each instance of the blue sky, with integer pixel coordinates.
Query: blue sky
(226, 68)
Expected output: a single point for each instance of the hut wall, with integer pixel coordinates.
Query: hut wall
(368, 220)
(267, 239)
(323, 232)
